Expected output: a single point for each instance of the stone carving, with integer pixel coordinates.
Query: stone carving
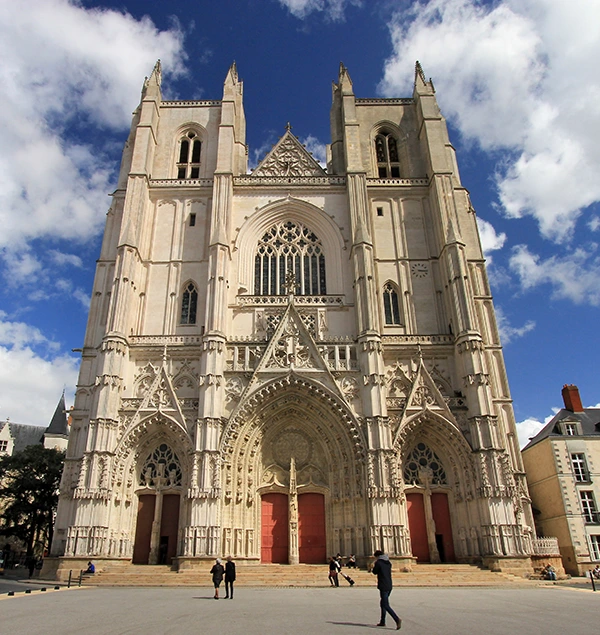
(292, 443)
(234, 389)
(349, 388)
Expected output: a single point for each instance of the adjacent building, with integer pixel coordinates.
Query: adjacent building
(295, 361)
(562, 463)
(15, 437)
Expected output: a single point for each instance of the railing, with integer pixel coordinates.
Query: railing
(546, 547)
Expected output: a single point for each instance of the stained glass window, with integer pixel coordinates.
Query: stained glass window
(424, 458)
(162, 468)
(189, 304)
(391, 305)
(289, 247)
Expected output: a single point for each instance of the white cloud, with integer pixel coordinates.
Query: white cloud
(17, 367)
(575, 276)
(19, 334)
(528, 428)
(490, 240)
(594, 223)
(25, 353)
(316, 148)
(63, 64)
(333, 9)
(520, 76)
(507, 331)
(61, 258)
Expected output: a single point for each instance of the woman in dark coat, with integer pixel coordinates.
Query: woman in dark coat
(217, 572)
(229, 577)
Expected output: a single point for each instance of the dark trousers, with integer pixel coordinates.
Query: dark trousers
(228, 588)
(384, 603)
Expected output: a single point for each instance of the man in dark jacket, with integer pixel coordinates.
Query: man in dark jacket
(383, 570)
(229, 577)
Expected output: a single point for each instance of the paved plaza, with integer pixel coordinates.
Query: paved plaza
(286, 611)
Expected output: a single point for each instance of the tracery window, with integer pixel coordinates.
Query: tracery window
(424, 458)
(189, 304)
(188, 165)
(391, 305)
(289, 247)
(386, 151)
(161, 469)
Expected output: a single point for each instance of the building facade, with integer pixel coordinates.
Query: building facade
(296, 361)
(15, 437)
(563, 471)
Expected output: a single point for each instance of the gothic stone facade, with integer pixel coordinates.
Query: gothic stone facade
(293, 362)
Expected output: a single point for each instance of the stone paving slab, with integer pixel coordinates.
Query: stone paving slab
(109, 611)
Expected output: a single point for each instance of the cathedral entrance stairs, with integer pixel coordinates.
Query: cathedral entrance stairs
(303, 575)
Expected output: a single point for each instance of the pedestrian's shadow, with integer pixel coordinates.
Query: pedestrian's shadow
(204, 597)
(359, 624)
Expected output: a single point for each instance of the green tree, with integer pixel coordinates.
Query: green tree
(29, 483)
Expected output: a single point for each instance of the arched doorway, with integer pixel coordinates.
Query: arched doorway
(158, 508)
(428, 509)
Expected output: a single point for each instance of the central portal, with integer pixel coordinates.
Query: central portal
(275, 528)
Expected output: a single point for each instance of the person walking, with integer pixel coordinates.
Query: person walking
(229, 577)
(217, 572)
(334, 568)
(383, 570)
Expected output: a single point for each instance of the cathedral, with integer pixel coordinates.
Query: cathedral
(290, 362)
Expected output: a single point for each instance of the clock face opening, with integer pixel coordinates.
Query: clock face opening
(419, 269)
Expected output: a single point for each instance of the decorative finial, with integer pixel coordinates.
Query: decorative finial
(288, 126)
(419, 72)
(164, 355)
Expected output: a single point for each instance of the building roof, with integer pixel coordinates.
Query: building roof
(59, 426)
(588, 418)
(25, 435)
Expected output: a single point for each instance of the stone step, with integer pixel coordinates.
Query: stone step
(299, 576)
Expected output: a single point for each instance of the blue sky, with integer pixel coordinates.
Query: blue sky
(517, 80)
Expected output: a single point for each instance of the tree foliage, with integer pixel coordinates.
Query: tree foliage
(29, 483)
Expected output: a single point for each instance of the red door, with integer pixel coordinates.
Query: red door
(143, 528)
(274, 531)
(417, 527)
(169, 524)
(311, 528)
(443, 526)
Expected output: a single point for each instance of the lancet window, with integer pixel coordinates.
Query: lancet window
(188, 164)
(391, 305)
(386, 151)
(161, 469)
(289, 247)
(189, 304)
(421, 462)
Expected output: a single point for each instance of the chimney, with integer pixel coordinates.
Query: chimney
(570, 394)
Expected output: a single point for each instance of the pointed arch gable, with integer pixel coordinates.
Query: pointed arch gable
(293, 209)
(144, 436)
(447, 442)
(428, 417)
